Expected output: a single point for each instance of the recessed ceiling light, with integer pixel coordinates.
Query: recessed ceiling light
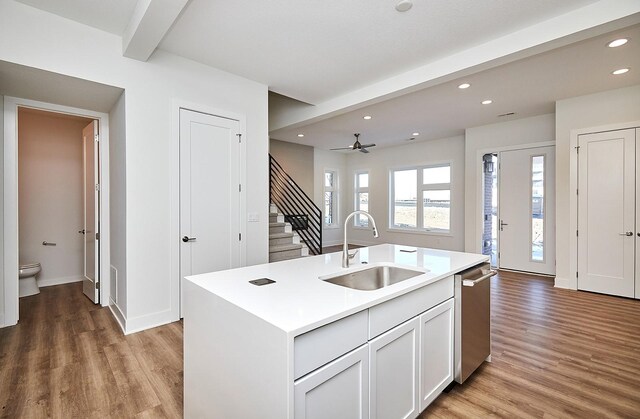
(617, 42)
(404, 5)
(300, 135)
(487, 102)
(464, 86)
(367, 117)
(620, 71)
(415, 134)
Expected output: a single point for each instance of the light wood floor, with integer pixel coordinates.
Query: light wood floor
(556, 353)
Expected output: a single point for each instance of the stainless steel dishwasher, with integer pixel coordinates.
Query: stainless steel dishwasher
(473, 319)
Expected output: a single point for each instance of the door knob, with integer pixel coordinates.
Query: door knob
(627, 233)
(188, 239)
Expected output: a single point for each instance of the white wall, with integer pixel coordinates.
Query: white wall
(591, 111)
(491, 138)
(38, 39)
(118, 202)
(380, 161)
(297, 161)
(331, 160)
(50, 194)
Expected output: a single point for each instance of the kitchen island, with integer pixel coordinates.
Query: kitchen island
(302, 347)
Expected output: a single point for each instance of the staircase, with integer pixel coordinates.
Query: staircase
(284, 243)
(295, 224)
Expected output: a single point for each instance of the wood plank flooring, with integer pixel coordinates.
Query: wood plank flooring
(556, 353)
(67, 358)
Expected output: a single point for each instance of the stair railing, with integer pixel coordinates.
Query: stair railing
(299, 210)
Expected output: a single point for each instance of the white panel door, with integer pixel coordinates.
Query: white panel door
(527, 210)
(210, 197)
(339, 390)
(436, 351)
(393, 366)
(637, 288)
(91, 281)
(606, 212)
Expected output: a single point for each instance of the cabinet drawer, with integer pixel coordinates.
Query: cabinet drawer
(320, 346)
(393, 312)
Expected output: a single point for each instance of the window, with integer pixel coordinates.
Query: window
(330, 198)
(361, 198)
(421, 198)
(537, 208)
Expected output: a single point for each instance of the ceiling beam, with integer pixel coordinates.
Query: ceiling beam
(149, 22)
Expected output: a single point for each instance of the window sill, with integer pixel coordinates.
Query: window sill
(421, 232)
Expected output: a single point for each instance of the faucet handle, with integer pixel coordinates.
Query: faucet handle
(352, 255)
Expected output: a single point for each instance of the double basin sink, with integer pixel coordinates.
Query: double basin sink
(372, 278)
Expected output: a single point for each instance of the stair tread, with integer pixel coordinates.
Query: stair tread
(280, 235)
(284, 247)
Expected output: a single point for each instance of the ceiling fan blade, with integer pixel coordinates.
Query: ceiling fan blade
(367, 145)
(341, 148)
(364, 150)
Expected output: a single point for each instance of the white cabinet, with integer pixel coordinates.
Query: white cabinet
(436, 351)
(393, 366)
(339, 390)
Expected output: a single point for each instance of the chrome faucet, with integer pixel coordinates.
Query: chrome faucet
(346, 256)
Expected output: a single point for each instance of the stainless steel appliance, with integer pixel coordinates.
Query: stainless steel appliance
(473, 319)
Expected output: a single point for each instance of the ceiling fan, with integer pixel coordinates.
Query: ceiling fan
(356, 146)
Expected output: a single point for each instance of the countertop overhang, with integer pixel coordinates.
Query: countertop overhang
(299, 301)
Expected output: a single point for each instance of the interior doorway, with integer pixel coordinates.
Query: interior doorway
(56, 199)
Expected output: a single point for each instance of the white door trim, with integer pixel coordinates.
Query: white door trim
(174, 213)
(572, 282)
(10, 216)
(479, 204)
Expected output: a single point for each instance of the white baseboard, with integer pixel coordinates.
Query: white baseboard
(565, 283)
(48, 282)
(1, 319)
(119, 316)
(140, 323)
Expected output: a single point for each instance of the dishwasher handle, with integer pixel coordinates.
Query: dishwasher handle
(472, 282)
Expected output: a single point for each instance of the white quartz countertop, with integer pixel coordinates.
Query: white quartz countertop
(299, 301)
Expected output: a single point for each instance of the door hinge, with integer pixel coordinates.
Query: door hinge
(97, 285)
(97, 236)
(577, 149)
(240, 236)
(577, 191)
(97, 187)
(576, 233)
(576, 274)
(239, 137)
(498, 255)
(239, 187)
(96, 138)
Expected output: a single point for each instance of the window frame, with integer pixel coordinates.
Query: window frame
(335, 191)
(357, 190)
(420, 189)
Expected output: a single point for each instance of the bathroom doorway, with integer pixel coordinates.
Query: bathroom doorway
(55, 200)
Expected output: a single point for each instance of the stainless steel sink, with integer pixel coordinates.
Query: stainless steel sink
(372, 278)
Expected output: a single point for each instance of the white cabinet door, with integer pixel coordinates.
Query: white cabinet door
(436, 351)
(393, 360)
(339, 390)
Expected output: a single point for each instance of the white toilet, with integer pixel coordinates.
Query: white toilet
(27, 284)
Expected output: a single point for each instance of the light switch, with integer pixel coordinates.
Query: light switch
(253, 217)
